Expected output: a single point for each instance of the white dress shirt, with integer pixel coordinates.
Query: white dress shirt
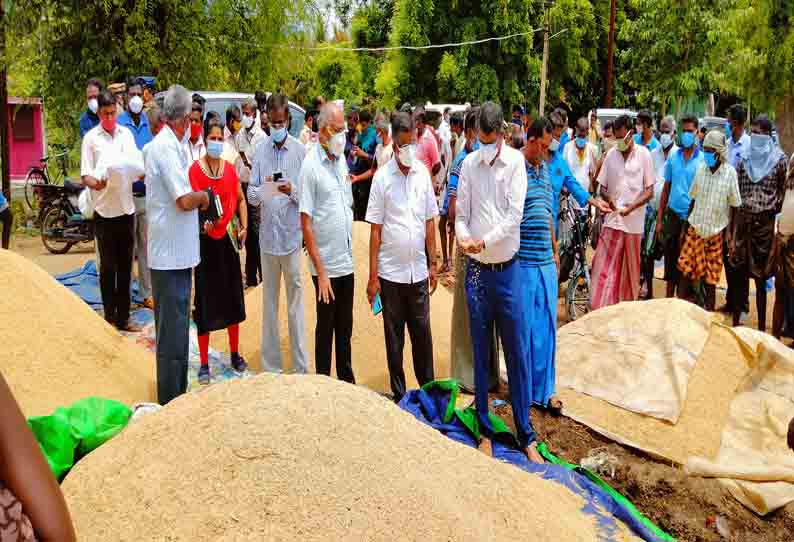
(195, 151)
(173, 233)
(403, 205)
(280, 225)
(659, 160)
(246, 142)
(491, 203)
(116, 198)
(327, 198)
(581, 168)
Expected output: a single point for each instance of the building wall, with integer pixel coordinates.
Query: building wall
(26, 129)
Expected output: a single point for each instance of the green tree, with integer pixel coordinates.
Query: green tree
(670, 46)
(370, 28)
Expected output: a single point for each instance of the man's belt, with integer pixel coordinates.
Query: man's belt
(495, 267)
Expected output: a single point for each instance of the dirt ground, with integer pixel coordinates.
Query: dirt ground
(684, 507)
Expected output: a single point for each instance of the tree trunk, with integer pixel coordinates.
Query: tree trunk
(785, 124)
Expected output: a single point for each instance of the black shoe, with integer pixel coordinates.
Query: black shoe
(238, 363)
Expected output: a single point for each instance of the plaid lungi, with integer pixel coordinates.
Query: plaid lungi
(701, 258)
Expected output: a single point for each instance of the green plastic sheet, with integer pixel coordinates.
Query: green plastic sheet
(72, 432)
(551, 458)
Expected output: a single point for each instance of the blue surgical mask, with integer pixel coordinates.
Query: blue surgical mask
(581, 142)
(760, 144)
(687, 140)
(710, 158)
(214, 149)
(279, 134)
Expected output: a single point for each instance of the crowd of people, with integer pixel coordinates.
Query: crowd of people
(213, 186)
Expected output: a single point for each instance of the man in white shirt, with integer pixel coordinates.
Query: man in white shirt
(490, 205)
(104, 146)
(194, 146)
(280, 238)
(581, 157)
(173, 242)
(626, 179)
(247, 140)
(402, 208)
(326, 207)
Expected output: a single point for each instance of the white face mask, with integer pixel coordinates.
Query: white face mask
(666, 140)
(488, 151)
(554, 145)
(406, 155)
(248, 122)
(337, 144)
(136, 104)
(93, 105)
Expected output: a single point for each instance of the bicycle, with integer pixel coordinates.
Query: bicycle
(40, 174)
(573, 259)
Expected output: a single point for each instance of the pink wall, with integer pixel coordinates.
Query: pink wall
(25, 152)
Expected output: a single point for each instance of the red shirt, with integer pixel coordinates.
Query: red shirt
(227, 187)
(427, 149)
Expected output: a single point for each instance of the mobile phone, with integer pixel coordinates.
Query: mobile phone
(377, 306)
(277, 175)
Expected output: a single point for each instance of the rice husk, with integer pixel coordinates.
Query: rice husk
(368, 343)
(288, 457)
(57, 350)
(719, 369)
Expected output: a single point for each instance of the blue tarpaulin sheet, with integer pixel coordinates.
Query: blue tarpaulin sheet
(85, 283)
(431, 405)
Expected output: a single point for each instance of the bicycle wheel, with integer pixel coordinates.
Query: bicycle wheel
(54, 221)
(35, 176)
(577, 296)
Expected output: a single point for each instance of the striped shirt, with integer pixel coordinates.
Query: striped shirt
(280, 225)
(714, 195)
(327, 198)
(173, 234)
(536, 246)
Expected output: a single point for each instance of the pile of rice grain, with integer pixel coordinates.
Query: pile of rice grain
(368, 343)
(57, 350)
(286, 458)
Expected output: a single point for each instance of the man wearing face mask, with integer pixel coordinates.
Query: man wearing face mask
(104, 147)
(671, 219)
(762, 184)
(626, 179)
(233, 125)
(171, 207)
(195, 148)
(580, 156)
(364, 150)
(138, 123)
(89, 118)
(491, 193)
(280, 236)
(650, 249)
(714, 191)
(326, 207)
(247, 141)
(738, 146)
(561, 176)
(426, 145)
(644, 134)
(402, 268)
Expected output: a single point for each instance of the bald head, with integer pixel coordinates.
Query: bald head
(331, 121)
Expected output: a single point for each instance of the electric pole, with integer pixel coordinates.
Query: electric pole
(544, 69)
(4, 146)
(610, 53)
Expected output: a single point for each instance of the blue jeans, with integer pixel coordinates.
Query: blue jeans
(495, 297)
(171, 291)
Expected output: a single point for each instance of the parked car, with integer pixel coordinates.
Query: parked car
(439, 108)
(221, 101)
(710, 123)
(606, 115)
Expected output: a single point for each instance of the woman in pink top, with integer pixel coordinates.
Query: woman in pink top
(626, 179)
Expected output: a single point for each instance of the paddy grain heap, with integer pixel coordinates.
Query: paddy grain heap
(57, 350)
(285, 458)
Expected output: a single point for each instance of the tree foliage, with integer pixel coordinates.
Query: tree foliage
(671, 42)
